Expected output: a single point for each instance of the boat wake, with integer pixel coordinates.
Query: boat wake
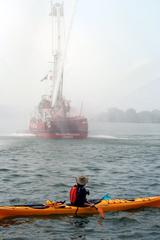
(21, 135)
(101, 136)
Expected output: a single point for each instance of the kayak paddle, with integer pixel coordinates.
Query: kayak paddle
(100, 209)
(101, 212)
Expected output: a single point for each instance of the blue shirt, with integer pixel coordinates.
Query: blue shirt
(81, 196)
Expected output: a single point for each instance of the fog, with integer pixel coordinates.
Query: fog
(112, 58)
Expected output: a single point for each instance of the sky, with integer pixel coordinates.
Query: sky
(112, 58)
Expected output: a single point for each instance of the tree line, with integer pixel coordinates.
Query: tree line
(130, 115)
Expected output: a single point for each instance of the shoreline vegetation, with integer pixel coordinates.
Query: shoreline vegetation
(130, 116)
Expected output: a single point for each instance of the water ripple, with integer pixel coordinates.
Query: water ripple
(33, 170)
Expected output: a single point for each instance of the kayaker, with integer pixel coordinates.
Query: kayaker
(78, 193)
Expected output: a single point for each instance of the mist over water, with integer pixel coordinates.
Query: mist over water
(113, 53)
(112, 58)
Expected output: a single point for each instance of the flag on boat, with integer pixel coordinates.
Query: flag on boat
(47, 77)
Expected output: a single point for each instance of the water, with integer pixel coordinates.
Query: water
(120, 159)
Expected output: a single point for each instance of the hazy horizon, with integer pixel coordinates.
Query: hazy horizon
(112, 57)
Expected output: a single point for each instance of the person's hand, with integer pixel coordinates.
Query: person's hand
(92, 205)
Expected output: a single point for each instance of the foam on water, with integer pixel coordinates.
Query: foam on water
(21, 135)
(101, 136)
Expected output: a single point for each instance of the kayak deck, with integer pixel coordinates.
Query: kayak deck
(55, 208)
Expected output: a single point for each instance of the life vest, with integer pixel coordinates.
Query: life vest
(73, 194)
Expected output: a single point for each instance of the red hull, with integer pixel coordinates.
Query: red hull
(61, 136)
(63, 128)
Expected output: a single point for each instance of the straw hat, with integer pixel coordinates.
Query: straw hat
(82, 180)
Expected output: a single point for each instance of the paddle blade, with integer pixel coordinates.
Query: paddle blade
(106, 197)
(101, 212)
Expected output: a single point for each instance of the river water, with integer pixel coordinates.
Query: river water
(120, 159)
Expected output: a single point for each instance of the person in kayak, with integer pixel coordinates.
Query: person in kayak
(78, 193)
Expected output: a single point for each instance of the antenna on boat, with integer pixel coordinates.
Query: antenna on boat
(58, 49)
(81, 108)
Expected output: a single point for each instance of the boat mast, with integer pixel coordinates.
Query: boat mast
(57, 50)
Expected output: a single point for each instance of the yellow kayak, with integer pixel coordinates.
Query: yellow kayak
(57, 208)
